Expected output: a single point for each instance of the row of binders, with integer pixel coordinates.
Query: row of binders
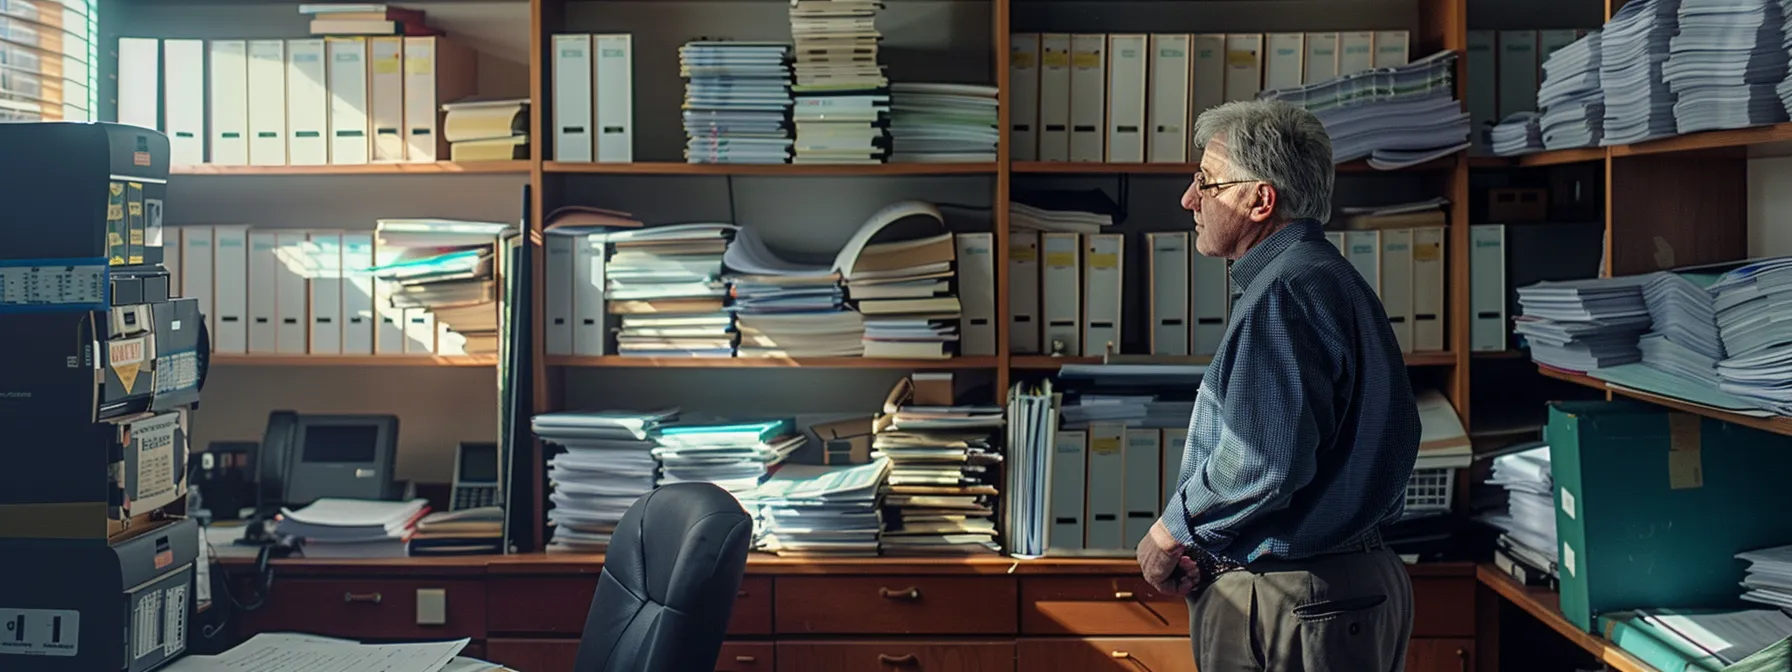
(1505, 69)
(45, 60)
(594, 107)
(1133, 98)
(1109, 484)
(300, 102)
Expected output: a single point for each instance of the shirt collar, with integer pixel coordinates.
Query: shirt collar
(1253, 262)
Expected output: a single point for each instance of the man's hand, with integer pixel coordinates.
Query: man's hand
(1164, 564)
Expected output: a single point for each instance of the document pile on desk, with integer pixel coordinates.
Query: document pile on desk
(608, 464)
(287, 652)
(1395, 117)
(942, 472)
(1527, 549)
(1638, 103)
(786, 309)
(736, 457)
(353, 528)
(1584, 325)
(465, 532)
(1752, 303)
(821, 511)
(1725, 63)
(1572, 103)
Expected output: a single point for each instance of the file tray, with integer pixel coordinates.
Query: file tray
(98, 607)
(85, 194)
(1652, 505)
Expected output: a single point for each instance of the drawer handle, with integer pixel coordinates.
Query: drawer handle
(369, 598)
(1122, 655)
(909, 593)
(904, 659)
(741, 595)
(745, 659)
(1123, 595)
(1126, 595)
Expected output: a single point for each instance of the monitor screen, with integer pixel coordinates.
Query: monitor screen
(479, 462)
(340, 443)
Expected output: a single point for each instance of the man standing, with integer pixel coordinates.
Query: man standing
(1304, 433)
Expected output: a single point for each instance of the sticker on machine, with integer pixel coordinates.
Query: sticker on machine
(40, 632)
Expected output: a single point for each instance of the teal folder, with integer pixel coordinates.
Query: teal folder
(1652, 505)
(1669, 653)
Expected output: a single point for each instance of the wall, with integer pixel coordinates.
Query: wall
(1769, 207)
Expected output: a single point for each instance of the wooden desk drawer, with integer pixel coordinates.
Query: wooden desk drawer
(558, 655)
(747, 657)
(558, 605)
(895, 656)
(1443, 606)
(1119, 654)
(954, 605)
(368, 608)
(1119, 605)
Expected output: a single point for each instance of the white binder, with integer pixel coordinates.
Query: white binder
(1103, 279)
(230, 102)
(573, 99)
(1212, 300)
(1169, 97)
(1396, 284)
(389, 322)
(1107, 482)
(291, 295)
(1356, 52)
(1023, 96)
(590, 325)
(325, 254)
(264, 292)
(1244, 66)
(1428, 289)
(267, 102)
(448, 341)
(1320, 63)
(1054, 97)
(1088, 96)
(183, 101)
(230, 288)
(1170, 303)
(307, 103)
(172, 248)
(1283, 63)
(976, 294)
(419, 332)
(1142, 483)
(1391, 48)
(557, 295)
(1487, 287)
(614, 64)
(1207, 84)
(139, 81)
(1175, 443)
(1363, 250)
(347, 62)
(196, 273)
(1060, 292)
(385, 91)
(1128, 56)
(1023, 292)
(1069, 470)
(358, 318)
(437, 70)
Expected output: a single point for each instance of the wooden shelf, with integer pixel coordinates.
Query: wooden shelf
(1091, 168)
(1544, 605)
(1557, 157)
(1708, 140)
(354, 360)
(774, 169)
(1049, 363)
(1778, 424)
(437, 168)
(618, 361)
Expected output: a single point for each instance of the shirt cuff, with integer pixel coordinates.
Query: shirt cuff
(1175, 519)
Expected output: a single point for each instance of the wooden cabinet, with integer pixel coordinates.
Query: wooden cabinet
(385, 608)
(747, 657)
(1099, 605)
(533, 655)
(890, 605)
(1441, 654)
(1443, 606)
(1119, 654)
(558, 605)
(896, 656)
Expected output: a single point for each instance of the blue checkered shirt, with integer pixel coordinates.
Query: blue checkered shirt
(1304, 432)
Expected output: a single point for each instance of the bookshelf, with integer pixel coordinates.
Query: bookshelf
(452, 361)
(435, 168)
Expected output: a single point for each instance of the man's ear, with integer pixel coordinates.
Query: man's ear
(1263, 205)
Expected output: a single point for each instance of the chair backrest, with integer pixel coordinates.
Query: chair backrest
(669, 582)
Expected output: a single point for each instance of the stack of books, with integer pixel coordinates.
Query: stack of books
(365, 19)
(736, 102)
(1726, 63)
(735, 456)
(1748, 300)
(666, 283)
(903, 287)
(821, 511)
(943, 123)
(487, 129)
(445, 266)
(941, 487)
(466, 532)
(1583, 325)
(1521, 133)
(1062, 211)
(842, 101)
(608, 464)
(787, 309)
(1395, 117)
(1638, 103)
(352, 528)
(1573, 105)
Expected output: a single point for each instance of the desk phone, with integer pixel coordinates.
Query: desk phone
(475, 476)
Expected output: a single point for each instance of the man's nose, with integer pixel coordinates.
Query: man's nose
(1191, 199)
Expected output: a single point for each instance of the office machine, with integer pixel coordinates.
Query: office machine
(305, 457)
(225, 479)
(476, 477)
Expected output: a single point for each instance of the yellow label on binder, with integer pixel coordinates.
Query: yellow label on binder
(1105, 445)
(1023, 253)
(419, 65)
(1086, 59)
(1020, 59)
(1241, 58)
(1055, 59)
(385, 66)
(1104, 260)
(1060, 258)
(1427, 252)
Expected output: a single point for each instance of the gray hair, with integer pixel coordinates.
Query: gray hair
(1278, 143)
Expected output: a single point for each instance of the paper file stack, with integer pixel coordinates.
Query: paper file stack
(353, 528)
(903, 286)
(1769, 577)
(735, 456)
(480, 129)
(666, 284)
(1520, 133)
(1683, 339)
(1749, 302)
(736, 102)
(943, 123)
(445, 268)
(1032, 428)
(1395, 117)
(785, 309)
(1529, 520)
(1583, 325)
(1062, 211)
(821, 511)
(1726, 63)
(941, 486)
(1573, 105)
(1638, 103)
(477, 531)
(842, 104)
(608, 464)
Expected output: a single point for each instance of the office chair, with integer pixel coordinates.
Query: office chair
(669, 583)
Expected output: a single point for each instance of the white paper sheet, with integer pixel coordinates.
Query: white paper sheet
(285, 652)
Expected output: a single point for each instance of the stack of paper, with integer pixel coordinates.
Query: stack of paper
(1396, 117)
(941, 485)
(480, 128)
(813, 510)
(1769, 577)
(1032, 432)
(1584, 325)
(464, 532)
(608, 464)
(442, 266)
(842, 97)
(1638, 103)
(1529, 520)
(903, 286)
(943, 123)
(288, 652)
(786, 309)
(666, 283)
(1703, 639)
(1141, 395)
(1683, 339)
(1573, 105)
(1726, 63)
(1751, 304)
(353, 528)
(1521, 133)
(735, 456)
(1062, 211)
(736, 102)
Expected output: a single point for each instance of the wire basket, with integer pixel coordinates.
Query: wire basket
(1429, 489)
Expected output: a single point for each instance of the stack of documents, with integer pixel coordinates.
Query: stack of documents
(1396, 117)
(445, 267)
(486, 129)
(1032, 431)
(1521, 133)
(786, 309)
(1584, 325)
(1529, 520)
(1769, 577)
(735, 456)
(1726, 63)
(1752, 303)
(1572, 103)
(666, 284)
(1703, 639)
(1683, 339)
(842, 106)
(352, 528)
(1159, 396)
(1638, 103)
(288, 652)
(608, 464)
(736, 101)
(814, 510)
(943, 123)
(465, 532)
(941, 484)
(903, 286)
(1062, 211)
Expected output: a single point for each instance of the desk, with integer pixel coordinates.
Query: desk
(1544, 605)
(981, 614)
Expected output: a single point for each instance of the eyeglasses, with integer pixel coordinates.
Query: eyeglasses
(1206, 188)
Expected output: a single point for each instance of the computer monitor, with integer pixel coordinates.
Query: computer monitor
(349, 456)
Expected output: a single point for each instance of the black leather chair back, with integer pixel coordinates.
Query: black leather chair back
(669, 583)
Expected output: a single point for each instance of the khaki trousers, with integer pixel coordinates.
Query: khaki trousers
(1341, 612)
